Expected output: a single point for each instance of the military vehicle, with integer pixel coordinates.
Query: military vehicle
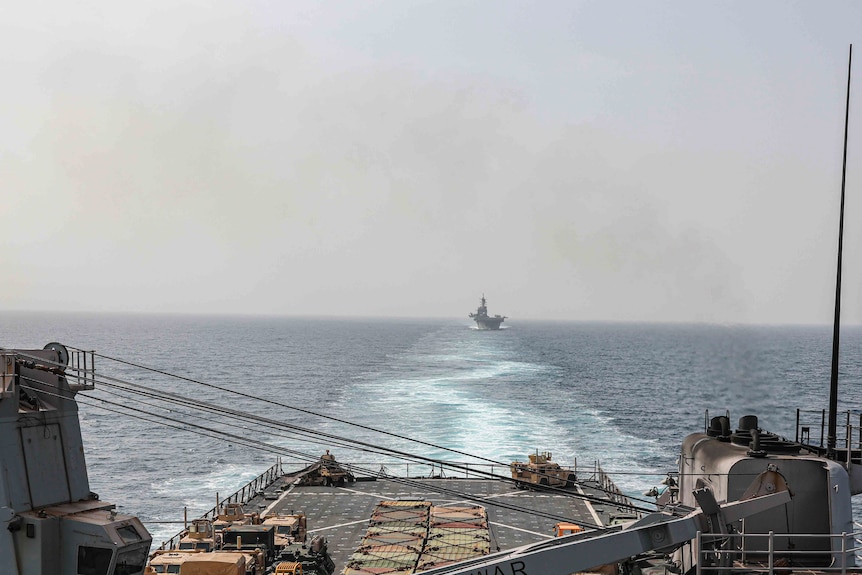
(168, 561)
(248, 537)
(307, 559)
(326, 471)
(223, 563)
(288, 528)
(199, 535)
(540, 470)
(233, 514)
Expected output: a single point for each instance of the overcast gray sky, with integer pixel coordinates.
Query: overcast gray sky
(647, 161)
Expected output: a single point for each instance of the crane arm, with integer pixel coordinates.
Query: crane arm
(583, 551)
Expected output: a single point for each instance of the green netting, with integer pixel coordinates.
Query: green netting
(416, 541)
(415, 530)
(405, 526)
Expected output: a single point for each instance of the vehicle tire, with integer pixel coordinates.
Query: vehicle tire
(570, 480)
(544, 481)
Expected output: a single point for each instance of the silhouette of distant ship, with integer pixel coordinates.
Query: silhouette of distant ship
(485, 321)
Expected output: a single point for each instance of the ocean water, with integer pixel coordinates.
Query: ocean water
(624, 395)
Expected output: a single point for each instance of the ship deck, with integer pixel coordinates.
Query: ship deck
(516, 517)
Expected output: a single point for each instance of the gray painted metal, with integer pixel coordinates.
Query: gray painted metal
(821, 490)
(49, 519)
(566, 555)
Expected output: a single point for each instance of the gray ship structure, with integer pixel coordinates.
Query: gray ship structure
(50, 521)
(485, 321)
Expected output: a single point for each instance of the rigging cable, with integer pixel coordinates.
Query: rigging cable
(263, 446)
(320, 415)
(370, 447)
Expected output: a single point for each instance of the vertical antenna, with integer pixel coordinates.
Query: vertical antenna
(833, 384)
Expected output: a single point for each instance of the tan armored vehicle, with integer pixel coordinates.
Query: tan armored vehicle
(233, 514)
(198, 536)
(288, 528)
(223, 563)
(331, 471)
(168, 561)
(196, 562)
(540, 470)
(326, 471)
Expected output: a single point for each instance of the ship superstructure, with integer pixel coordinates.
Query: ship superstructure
(813, 531)
(485, 321)
(50, 521)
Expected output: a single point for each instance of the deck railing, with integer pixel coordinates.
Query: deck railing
(7, 375)
(249, 490)
(811, 431)
(81, 372)
(609, 487)
(459, 470)
(446, 469)
(757, 553)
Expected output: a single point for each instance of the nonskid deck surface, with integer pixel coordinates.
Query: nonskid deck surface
(341, 514)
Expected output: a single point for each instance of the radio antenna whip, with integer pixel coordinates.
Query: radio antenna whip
(833, 384)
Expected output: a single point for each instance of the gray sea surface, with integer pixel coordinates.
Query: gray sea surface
(621, 394)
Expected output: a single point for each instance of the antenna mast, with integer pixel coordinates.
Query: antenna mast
(833, 384)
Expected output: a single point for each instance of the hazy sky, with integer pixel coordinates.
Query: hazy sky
(647, 161)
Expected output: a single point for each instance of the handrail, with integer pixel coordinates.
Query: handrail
(811, 431)
(247, 491)
(81, 373)
(728, 552)
(595, 473)
(7, 375)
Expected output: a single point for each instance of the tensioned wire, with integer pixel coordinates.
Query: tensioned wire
(127, 411)
(370, 448)
(197, 404)
(335, 419)
(274, 424)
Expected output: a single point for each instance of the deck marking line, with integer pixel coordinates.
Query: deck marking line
(590, 507)
(545, 535)
(377, 495)
(277, 501)
(316, 529)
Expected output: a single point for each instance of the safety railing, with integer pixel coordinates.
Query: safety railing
(811, 431)
(7, 375)
(249, 490)
(779, 552)
(593, 474)
(608, 486)
(458, 469)
(437, 469)
(442, 469)
(81, 372)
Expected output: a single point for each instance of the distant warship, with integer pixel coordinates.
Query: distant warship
(483, 320)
